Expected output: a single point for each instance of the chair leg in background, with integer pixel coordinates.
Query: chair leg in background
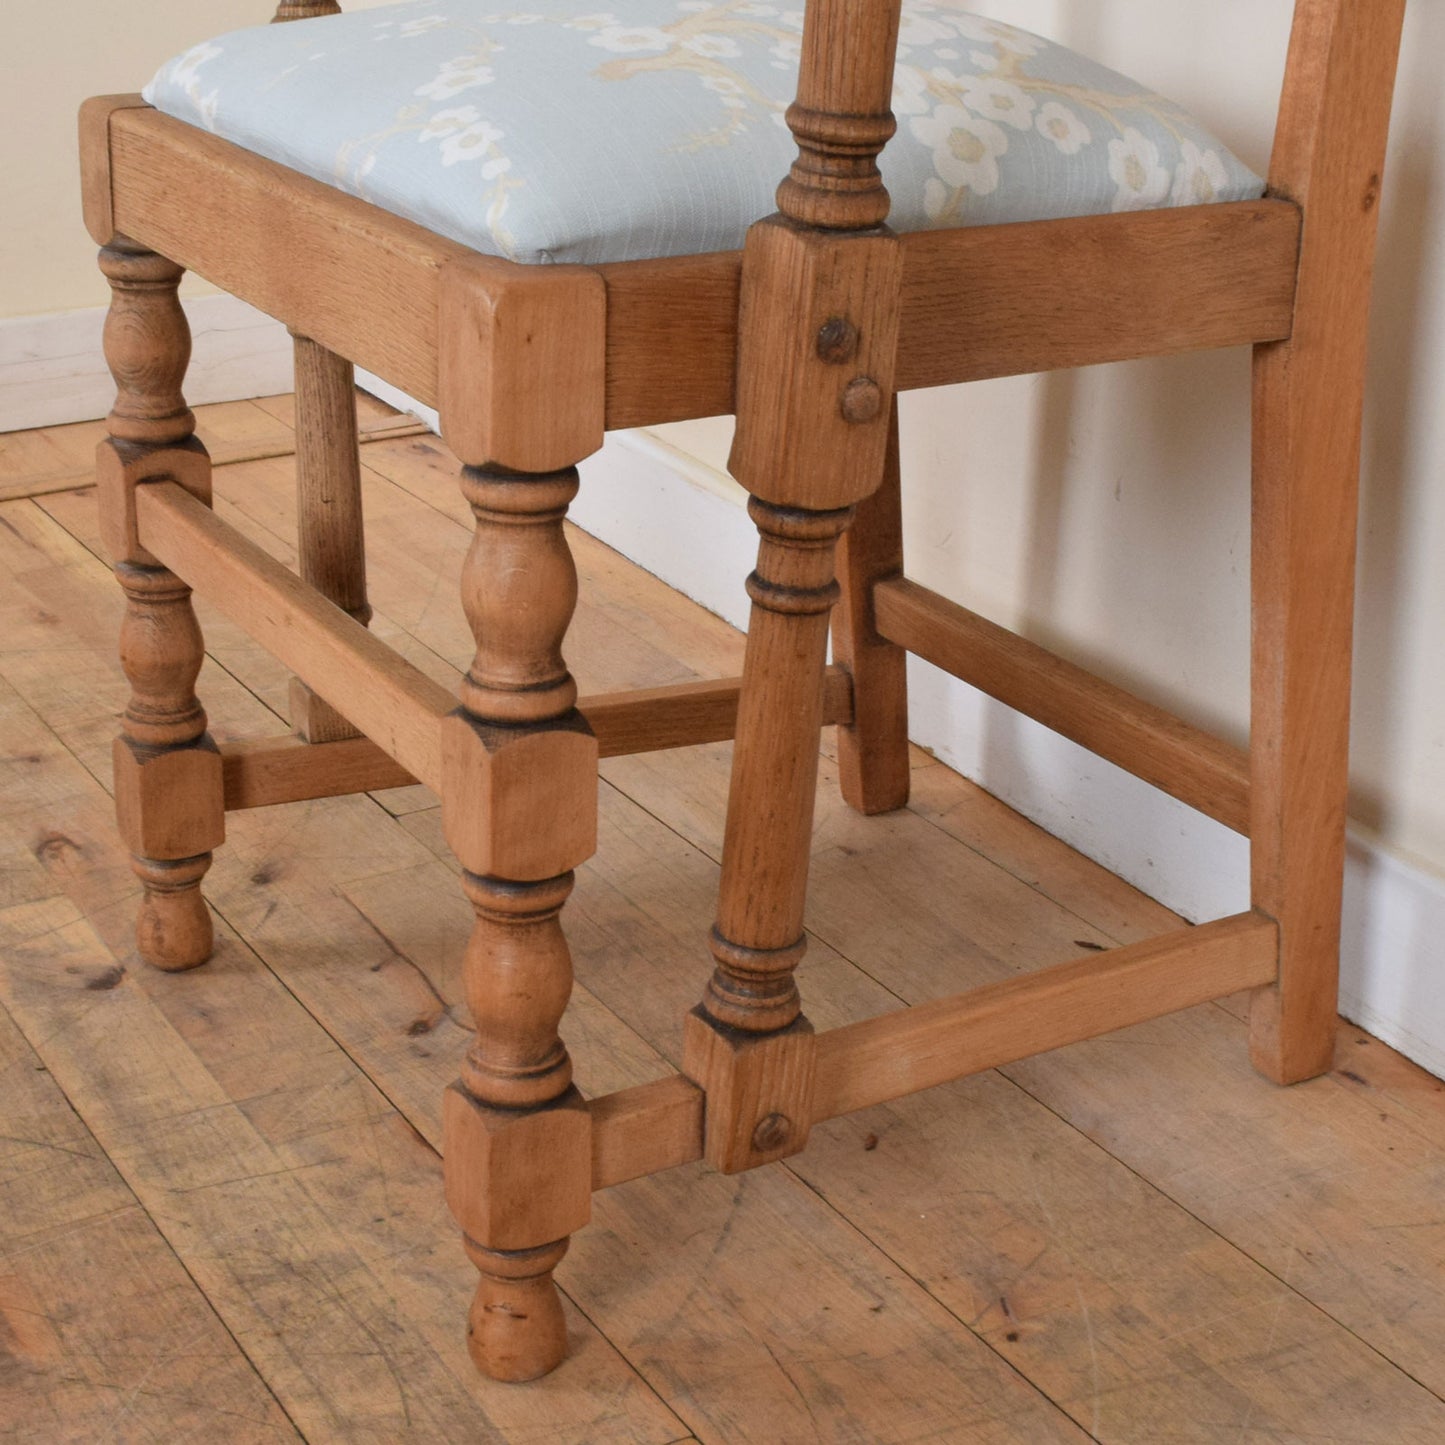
(519, 809)
(331, 547)
(873, 748)
(1303, 575)
(168, 786)
(1329, 155)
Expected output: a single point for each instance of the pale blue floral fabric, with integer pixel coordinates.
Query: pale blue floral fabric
(554, 132)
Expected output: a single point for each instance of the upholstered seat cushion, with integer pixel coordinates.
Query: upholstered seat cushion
(553, 131)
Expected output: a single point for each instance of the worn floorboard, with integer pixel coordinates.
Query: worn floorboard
(1134, 1239)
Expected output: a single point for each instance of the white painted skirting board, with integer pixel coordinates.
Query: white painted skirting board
(683, 521)
(52, 370)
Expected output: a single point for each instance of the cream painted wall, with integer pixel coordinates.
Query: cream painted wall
(54, 56)
(1105, 512)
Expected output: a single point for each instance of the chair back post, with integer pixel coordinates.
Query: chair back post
(841, 118)
(818, 320)
(1329, 155)
(304, 10)
(1335, 102)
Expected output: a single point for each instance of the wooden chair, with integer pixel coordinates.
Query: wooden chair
(806, 334)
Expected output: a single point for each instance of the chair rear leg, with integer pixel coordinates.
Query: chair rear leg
(1308, 397)
(1303, 586)
(331, 547)
(168, 788)
(873, 748)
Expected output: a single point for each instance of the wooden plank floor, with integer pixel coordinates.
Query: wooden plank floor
(220, 1203)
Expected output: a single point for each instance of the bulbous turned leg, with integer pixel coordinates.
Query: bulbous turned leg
(168, 788)
(168, 796)
(519, 810)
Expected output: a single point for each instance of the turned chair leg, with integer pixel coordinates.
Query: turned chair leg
(331, 546)
(519, 808)
(748, 1043)
(873, 748)
(168, 788)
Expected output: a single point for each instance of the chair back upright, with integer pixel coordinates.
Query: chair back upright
(842, 118)
(304, 9)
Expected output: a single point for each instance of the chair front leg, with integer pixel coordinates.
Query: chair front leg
(520, 811)
(168, 787)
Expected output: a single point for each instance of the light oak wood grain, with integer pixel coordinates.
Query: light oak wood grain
(900, 1053)
(1203, 771)
(92, 1300)
(330, 533)
(873, 756)
(1158, 282)
(1329, 156)
(261, 771)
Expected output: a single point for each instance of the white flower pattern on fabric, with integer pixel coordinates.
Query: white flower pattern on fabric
(1134, 167)
(1000, 100)
(444, 123)
(473, 142)
(466, 72)
(714, 47)
(627, 38)
(966, 148)
(559, 132)
(1198, 178)
(186, 74)
(1062, 126)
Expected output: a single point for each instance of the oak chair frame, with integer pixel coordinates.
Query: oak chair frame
(806, 334)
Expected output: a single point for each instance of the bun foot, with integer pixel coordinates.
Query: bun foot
(174, 930)
(516, 1331)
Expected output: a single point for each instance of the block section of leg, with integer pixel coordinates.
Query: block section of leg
(759, 1089)
(517, 1179)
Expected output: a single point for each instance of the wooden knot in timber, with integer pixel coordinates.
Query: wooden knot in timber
(772, 1133)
